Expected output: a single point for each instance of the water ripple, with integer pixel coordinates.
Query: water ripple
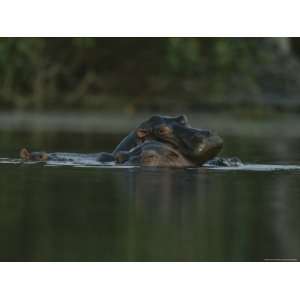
(93, 164)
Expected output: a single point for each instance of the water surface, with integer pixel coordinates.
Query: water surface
(96, 213)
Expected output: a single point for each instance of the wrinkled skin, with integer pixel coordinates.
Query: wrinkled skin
(171, 140)
(153, 154)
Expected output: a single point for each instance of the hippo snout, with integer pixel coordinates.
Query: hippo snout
(201, 144)
(208, 148)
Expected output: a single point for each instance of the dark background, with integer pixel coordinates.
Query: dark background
(150, 74)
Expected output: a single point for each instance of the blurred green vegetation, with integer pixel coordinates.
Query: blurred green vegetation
(133, 74)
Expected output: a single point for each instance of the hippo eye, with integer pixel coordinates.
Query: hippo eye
(163, 130)
(142, 133)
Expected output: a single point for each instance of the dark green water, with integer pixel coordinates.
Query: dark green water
(64, 213)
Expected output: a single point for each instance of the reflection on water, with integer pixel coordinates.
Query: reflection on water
(138, 214)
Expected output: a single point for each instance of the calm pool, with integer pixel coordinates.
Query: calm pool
(90, 213)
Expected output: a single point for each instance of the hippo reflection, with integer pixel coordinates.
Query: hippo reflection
(159, 141)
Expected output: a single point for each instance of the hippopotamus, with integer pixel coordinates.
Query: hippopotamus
(159, 141)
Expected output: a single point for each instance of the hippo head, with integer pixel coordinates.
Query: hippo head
(37, 156)
(146, 130)
(198, 145)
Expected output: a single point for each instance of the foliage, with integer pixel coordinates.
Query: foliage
(146, 73)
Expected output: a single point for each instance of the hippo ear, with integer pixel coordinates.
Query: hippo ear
(182, 119)
(141, 133)
(25, 154)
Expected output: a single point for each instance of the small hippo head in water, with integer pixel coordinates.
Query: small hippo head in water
(197, 145)
(37, 156)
